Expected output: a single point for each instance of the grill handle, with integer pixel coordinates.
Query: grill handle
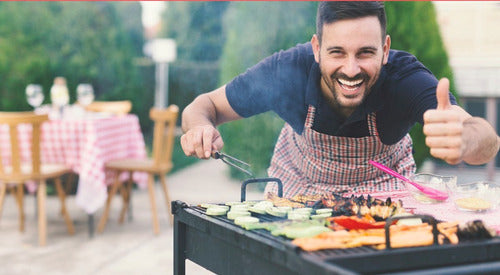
(246, 182)
(425, 218)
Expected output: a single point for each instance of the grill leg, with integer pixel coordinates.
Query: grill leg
(179, 247)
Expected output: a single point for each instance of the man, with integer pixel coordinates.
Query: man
(346, 99)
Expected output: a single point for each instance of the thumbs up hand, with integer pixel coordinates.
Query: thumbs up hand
(443, 127)
(442, 94)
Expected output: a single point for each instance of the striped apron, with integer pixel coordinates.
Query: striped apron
(315, 163)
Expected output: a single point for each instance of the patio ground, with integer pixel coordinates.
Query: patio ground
(131, 248)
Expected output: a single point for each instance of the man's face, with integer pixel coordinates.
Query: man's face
(350, 57)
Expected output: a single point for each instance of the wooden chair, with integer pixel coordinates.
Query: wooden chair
(160, 164)
(115, 107)
(17, 172)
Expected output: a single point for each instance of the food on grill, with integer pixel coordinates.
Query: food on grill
(297, 229)
(321, 216)
(473, 203)
(400, 236)
(278, 201)
(412, 221)
(360, 205)
(306, 210)
(231, 203)
(475, 230)
(298, 216)
(208, 205)
(260, 207)
(245, 220)
(216, 210)
(277, 211)
(251, 203)
(257, 210)
(233, 214)
(324, 211)
(306, 198)
(354, 222)
(242, 207)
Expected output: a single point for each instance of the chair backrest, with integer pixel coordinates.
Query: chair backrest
(13, 121)
(115, 107)
(164, 133)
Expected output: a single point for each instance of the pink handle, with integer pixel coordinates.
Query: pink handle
(388, 170)
(431, 192)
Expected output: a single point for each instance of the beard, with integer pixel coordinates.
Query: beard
(345, 104)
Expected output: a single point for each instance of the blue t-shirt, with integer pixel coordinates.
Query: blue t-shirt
(288, 82)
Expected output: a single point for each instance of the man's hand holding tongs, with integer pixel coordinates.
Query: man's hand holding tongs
(201, 141)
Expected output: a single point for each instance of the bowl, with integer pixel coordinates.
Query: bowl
(479, 196)
(431, 180)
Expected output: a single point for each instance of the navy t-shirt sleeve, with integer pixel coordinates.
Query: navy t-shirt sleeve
(413, 87)
(411, 91)
(277, 83)
(254, 91)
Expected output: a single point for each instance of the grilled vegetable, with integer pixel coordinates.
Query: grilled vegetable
(275, 211)
(234, 214)
(324, 211)
(245, 220)
(320, 216)
(216, 210)
(354, 222)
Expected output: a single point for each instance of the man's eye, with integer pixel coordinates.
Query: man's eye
(366, 53)
(335, 52)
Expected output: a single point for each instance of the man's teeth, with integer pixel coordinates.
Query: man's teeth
(350, 83)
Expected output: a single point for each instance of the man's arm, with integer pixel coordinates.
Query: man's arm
(454, 135)
(199, 120)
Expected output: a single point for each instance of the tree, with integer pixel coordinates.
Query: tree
(197, 29)
(255, 30)
(82, 41)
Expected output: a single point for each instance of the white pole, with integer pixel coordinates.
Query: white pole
(160, 94)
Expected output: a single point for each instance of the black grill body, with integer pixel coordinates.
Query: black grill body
(220, 246)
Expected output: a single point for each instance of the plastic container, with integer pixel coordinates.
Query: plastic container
(434, 181)
(480, 196)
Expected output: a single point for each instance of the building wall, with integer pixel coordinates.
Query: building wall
(471, 33)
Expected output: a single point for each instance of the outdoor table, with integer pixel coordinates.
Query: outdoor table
(85, 144)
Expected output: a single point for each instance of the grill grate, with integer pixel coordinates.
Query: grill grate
(471, 255)
(322, 254)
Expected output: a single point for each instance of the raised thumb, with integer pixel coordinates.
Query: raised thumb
(442, 94)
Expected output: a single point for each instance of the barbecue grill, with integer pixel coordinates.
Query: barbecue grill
(220, 246)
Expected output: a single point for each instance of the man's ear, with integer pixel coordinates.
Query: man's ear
(386, 48)
(315, 47)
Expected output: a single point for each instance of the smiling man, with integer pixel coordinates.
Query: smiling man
(346, 98)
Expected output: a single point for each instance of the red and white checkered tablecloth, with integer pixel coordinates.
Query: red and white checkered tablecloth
(445, 211)
(85, 145)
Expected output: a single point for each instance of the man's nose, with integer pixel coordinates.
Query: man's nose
(351, 67)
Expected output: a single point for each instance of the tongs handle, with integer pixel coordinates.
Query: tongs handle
(232, 161)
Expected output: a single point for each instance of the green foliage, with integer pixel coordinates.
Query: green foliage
(82, 41)
(255, 30)
(413, 28)
(197, 29)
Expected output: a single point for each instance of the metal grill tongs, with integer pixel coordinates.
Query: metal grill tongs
(234, 162)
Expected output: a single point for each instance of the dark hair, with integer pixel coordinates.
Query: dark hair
(333, 11)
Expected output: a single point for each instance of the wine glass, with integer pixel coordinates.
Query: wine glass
(85, 94)
(34, 95)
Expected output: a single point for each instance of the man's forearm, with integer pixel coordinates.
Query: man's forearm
(481, 141)
(200, 112)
